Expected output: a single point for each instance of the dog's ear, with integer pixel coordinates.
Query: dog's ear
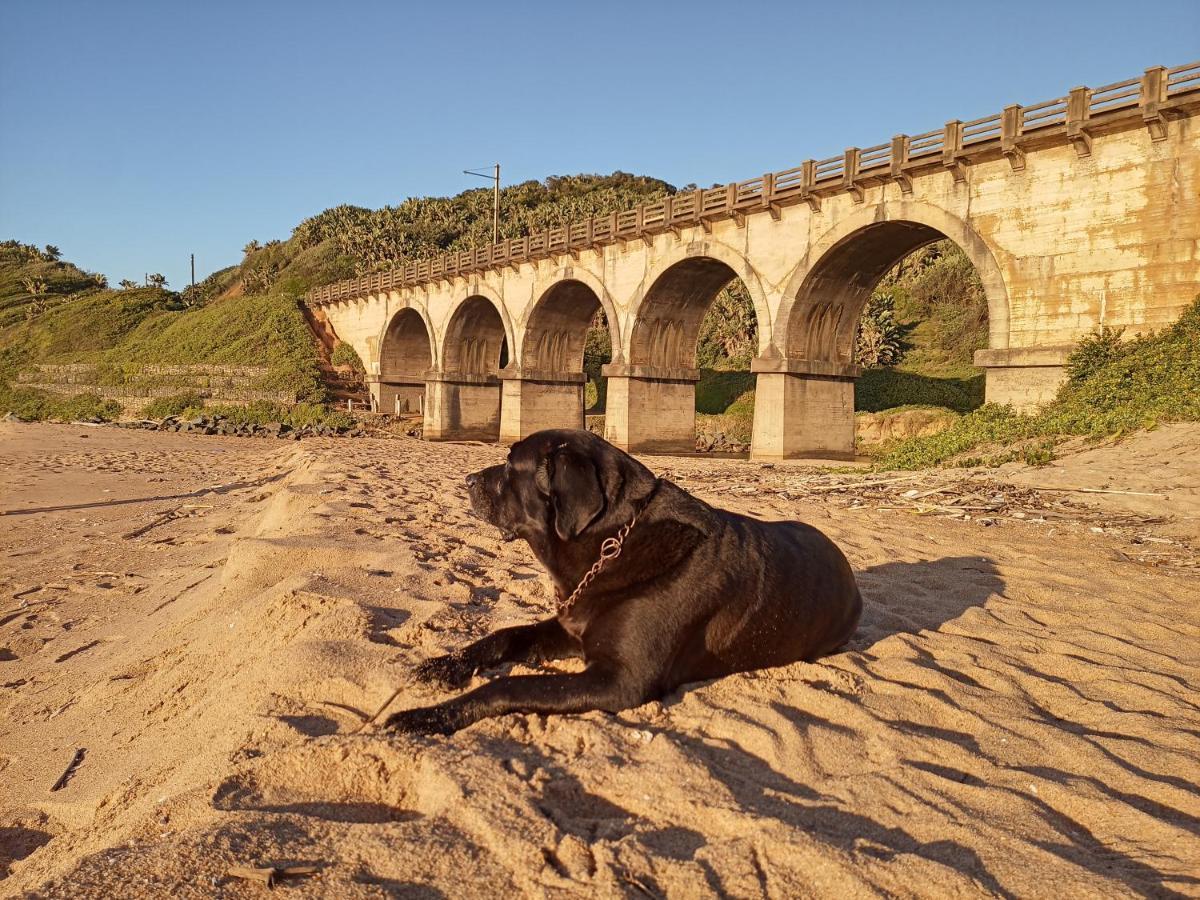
(575, 491)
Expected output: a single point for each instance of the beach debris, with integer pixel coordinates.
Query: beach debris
(379, 712)
(271, 875)
(1088, 490)
(76, 759)
(181, 512)
(965, 496)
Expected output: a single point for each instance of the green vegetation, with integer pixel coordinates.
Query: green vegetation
(1114, 388)
(880, 389)
(369, 240)
(40, 406)
(249, 314)
(33, 281)
(729, 331)
(345, 355)
(880, 339)
(939, 304)
(122, 330)
(172, 406)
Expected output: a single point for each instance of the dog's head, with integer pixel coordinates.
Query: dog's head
(558, 485)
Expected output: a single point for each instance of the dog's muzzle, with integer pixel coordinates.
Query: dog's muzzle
(482, 505)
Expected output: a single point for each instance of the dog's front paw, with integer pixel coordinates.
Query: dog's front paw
(450, 671)
(424, 720)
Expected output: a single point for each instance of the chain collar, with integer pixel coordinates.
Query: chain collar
(610, 549)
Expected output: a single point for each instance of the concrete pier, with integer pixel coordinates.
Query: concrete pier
(462, 408)
(533, 402)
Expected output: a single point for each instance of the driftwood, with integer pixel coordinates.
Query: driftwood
(379, 712)
(1086, 490)
(271, 875)
(69, 770)
(962, 496)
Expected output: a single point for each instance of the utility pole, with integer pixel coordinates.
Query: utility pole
(193, 277)
(495, 179)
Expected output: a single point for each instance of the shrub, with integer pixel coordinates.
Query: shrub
(345, 355)
(886, 388)
(162, 407)
(35, 405)
(717, 390)
(880, 338)
(597, 350)
(728, 334)
(1150, 380)
(1094, 352)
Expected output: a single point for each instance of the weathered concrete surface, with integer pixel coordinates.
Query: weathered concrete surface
(463, 411)
(1062, 245)
(529, 405)
(649, 414)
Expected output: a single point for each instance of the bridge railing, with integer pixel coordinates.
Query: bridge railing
(1146, 96)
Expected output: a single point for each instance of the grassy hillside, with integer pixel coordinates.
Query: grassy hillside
(1114, 387)
(33, 280)
(248, 314)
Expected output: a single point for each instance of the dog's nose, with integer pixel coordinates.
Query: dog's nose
(472, 480)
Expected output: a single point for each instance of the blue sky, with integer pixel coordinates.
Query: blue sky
(132, 134)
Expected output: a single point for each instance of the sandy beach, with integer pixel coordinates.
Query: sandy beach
(206, 618)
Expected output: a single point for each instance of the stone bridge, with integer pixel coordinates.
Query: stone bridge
(1076, 212)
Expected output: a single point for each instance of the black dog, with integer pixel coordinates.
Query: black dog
(655, 588)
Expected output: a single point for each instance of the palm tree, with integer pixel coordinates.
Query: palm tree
(52, 252)
(157, 279)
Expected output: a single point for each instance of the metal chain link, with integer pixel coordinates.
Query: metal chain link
(610, 549)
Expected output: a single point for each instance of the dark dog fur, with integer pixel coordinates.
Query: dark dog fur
(696, 593)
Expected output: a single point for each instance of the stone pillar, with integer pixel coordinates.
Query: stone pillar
(396, 397)
(651, 409)
(803, 408)
(1026, 377)
(533, 401)
(462, 407)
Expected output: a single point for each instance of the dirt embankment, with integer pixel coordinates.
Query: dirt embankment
(1016, 716)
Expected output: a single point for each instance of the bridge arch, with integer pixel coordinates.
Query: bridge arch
(826, 295)
(557, 326)
(406, 354)
(665, 317)
(478, 337)
(407, 342)
(588, 279)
